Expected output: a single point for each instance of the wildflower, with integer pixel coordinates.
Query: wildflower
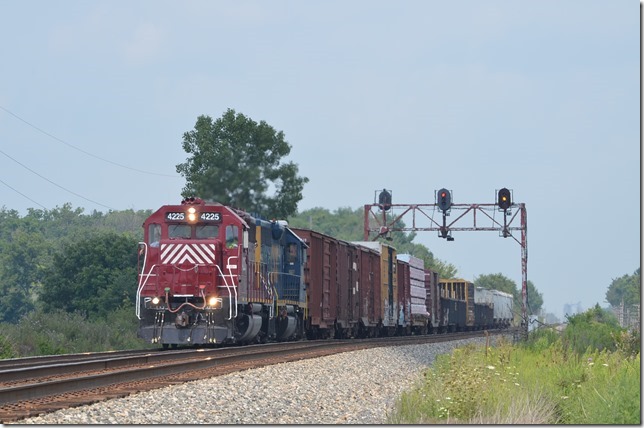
(604, 364)
(490, 367)
(590, 364)
(565, 397)
(448, 398)
(516, 384)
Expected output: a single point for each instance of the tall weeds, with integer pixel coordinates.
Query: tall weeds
(542, 382)
(40, 333)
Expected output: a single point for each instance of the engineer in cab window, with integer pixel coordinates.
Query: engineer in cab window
(231, 236)
(155, 235)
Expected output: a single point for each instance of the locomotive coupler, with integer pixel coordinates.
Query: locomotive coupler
(182, 320)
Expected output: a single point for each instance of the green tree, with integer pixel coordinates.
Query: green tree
(535, 299)
(626, 288)
(236, 161)
(93, 275)
(22, 258)
(496, 281)
(344, 223)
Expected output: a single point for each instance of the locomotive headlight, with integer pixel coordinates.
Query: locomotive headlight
(192, 216)
(155, 300)
(214, 302)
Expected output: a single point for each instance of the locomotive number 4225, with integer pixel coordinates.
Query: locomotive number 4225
(210, 217)
(180, 216)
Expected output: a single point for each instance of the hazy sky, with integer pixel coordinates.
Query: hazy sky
(540, 97)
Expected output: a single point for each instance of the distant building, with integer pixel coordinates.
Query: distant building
(628, 316)
(571, 309)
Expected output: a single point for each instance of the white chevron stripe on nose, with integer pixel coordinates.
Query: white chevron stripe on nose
(192, 253)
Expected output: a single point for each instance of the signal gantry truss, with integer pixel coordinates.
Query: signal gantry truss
(382, 219)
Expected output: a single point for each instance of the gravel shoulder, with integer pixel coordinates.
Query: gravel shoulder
(358, 387)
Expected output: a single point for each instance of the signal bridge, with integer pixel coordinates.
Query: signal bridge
(380, 221)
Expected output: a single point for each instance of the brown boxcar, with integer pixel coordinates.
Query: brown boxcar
(332, 283)
(368, 290)
(343, 286)
(404, 296)
(386, 294)
(415, 293)
(433, 301)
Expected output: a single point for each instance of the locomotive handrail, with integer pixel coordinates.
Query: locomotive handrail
(140, 289)
(230, 295)
(232, 278)
(141, 282)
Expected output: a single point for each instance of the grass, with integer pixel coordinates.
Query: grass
(510, 384)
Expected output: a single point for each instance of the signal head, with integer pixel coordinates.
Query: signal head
(444, 201)
(384, 199)
(504, 199)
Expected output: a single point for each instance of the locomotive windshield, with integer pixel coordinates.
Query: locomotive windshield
(207, 231)
(183, 231)
(187, 231)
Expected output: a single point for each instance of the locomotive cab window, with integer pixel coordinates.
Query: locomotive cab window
(154, 234)
(232, 236)
(291, 253)
(207, 231)
(179, 231)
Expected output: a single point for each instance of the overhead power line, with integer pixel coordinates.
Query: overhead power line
(55, 184)
(84, 151)
(18, 192)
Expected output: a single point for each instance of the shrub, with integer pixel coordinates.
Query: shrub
(59, 332)
(7, 349)
(593, 329)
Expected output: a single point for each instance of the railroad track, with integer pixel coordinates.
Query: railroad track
(37, 385)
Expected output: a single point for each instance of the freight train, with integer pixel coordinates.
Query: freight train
(212, 274)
